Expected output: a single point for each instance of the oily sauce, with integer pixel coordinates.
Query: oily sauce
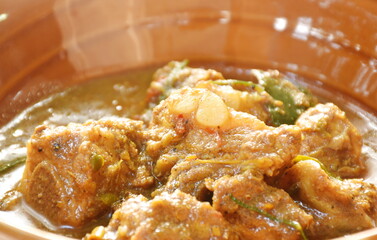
(123, 95)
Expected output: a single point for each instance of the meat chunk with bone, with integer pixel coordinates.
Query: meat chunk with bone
(175, 75)
(244, 96)
(339, 206)
(270, 96)
(331, 138)
(195, 121)
(167, 216)
(192, 175)
(256, 210)
(74, 173)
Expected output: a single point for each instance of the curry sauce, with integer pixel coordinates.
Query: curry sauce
(198, 133)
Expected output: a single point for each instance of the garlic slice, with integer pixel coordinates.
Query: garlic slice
(212, 111)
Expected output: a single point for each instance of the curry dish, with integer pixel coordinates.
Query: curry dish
(209, 158)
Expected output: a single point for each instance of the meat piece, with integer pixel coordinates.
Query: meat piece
(330, 137)
(250, 189)
(74, 173)
(192, 175)
(168, 216)
(175, 75)
(339, 207)
(244, 96)
(197, 122)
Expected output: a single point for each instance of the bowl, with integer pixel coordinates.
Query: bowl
(48, 46)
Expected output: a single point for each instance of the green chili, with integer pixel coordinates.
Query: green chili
(286, 92)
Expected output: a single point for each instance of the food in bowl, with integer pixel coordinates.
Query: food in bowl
(209, 157)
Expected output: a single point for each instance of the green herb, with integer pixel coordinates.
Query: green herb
(9, 164)
(294, 224)
(97, 161)
(300, 158)
(108, 198)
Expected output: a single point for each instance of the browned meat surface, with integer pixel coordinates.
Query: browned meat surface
(339, 206)
(74, 173)
(175, 75)
(167, 216)
(192, 175)
(197, 122)
(330, 137)
(253, 191)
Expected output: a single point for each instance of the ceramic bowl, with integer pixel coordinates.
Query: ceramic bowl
(47, 46)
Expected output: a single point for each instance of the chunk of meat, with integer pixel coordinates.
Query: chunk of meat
(244, 96)
(74, 173)
(197, 121)
(167, 216)
(175, 75)
(192, 174)
(253, 191)
(331, 138)
(339, 207)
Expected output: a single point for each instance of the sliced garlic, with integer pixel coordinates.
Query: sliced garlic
(186, 104)
(212, 111)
